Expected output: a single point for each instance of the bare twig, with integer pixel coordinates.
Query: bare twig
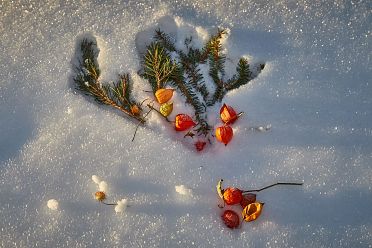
(272, 185)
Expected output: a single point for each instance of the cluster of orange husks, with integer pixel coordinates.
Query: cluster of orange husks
(228, 116)
(232, 196)
(183, 122)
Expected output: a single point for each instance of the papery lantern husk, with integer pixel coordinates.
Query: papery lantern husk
(100, 196)
(228, 114)
(232, 196)
(231, 219)
(252, 211)
(183, 122)
(163, 95)
(224, 134)
(166, 109)
(247, 199)
(199, 145)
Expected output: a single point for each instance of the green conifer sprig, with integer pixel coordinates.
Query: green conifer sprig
(86, 79)
(158, 66)
(184, 72)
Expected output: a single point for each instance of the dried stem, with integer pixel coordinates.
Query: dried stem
(272, 185)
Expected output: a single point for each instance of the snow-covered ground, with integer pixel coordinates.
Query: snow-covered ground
(315, 92)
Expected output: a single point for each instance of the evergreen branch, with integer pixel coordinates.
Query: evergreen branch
(164, 39)
(244, 75)
(87, 81)
(217, 63)
(158, 66)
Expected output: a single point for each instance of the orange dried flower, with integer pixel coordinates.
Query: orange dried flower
(232, 196)
(183, 122)
(231, 219)
(247, 199)
(252, 211)
(224, 134)
(228, 114)
(163, 95)
(100, 196)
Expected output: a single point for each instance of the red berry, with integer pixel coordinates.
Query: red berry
(247, 199)
(230, 218)
(232, 196)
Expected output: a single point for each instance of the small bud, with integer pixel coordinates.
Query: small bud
(100, 196)
(135, 109)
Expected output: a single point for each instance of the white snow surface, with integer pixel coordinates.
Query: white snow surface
(315, 92)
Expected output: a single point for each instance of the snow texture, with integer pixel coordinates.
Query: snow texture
(315, 94)
(121, 206)
(183, 190)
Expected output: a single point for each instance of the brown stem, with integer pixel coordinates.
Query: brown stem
(269, 186)
(135, 132)
(109, 204)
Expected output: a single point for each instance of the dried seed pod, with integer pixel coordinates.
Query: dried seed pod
(252, 211)
(183, 122)
(135, 109)
(228, 114)
(100, 196)
(163, 95)
(199, 145)
(247, 199)
(232, 196)
(224, 134)
(231, 219)
(166, 109)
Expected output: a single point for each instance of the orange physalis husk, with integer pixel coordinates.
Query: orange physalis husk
(166, 109)
(231, 219)
(199, 145)
(252, 211)
(163, 95)
(228, 114)
(100, 196)
(224, 134)
(232, 196)
(135, 109)
(247, 199)
(183, 122)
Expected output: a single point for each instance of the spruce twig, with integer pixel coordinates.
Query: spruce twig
(87, 81)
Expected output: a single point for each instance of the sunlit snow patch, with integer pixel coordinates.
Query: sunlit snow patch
(183, 190)
(52, 204)
(121, 206)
